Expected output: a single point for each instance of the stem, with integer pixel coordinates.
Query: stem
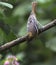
(24, 38)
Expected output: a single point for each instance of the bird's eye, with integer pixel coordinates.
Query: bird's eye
(30, 21)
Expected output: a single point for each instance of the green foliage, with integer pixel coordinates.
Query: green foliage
(52, 44)
(13, 24)
(6, 4)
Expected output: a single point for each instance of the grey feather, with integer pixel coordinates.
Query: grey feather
(32, 25)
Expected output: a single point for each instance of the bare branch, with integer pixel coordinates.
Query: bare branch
(13, 43)
(47, 26)
(24, 38)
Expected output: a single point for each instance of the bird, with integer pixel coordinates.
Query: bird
(32, 24)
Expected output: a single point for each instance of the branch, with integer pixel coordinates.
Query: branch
(24, 38)
(13, 43)
(47, 26)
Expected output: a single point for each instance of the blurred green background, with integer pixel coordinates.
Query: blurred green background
(13, 24)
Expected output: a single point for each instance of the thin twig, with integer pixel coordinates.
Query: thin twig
(24, 38)
(13, 43)
(47, 26)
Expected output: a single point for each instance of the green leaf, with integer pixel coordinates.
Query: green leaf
(43, 1)
(52, 44)
(1, 37)
(22, 31)
(20, 56)
(11, 36)
(21, 10)
(6, 4)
